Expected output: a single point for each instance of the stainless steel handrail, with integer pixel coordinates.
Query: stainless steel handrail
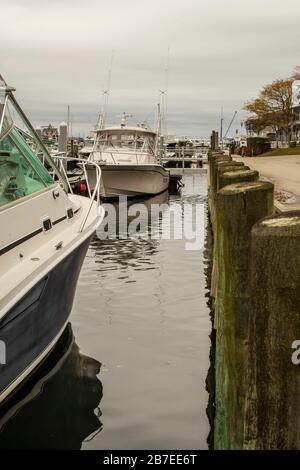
(93, 195)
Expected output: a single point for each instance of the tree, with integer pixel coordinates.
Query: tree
(296, 73)
(273, 108)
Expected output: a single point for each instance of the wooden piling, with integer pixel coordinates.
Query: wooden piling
(217, 165)
(234, 177)
(273, 400)
(223, 178)
(214, 159)
(239, 207)
(224, 167)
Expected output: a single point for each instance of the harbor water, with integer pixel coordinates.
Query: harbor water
(134, 377)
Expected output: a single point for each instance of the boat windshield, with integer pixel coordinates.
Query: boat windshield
(21, 171)
(123, 143)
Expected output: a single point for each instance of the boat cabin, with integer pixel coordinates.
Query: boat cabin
(130, 145)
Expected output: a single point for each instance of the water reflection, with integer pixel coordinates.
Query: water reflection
(210, 379)
(146, 316)
(58, 408)
(128, 250)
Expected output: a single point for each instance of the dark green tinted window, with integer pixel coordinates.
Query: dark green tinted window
(21, 172)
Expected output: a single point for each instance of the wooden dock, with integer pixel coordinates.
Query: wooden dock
(255, 292)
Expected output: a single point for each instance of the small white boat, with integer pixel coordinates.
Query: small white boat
(88, 147)
(128, 157)
(45, 233)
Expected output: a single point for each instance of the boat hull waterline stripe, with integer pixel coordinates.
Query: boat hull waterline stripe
(24, 239)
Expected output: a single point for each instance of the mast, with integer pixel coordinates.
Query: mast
(158, 129)
(221, 128)
(231, 122)
(162, 108)
(164, 97)
(105, 96)
(68, 119)
(102, 115)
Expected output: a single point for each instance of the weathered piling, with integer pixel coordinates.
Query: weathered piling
(273, 399)
(213, 160)
(224, 167)
(220, 181)
(222, 164)
(234, 177)
(218, 167)
(239, 207)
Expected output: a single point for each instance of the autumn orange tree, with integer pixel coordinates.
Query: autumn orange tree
(273, 108)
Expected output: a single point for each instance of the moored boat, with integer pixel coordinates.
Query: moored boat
(129, 161)
(45, 233)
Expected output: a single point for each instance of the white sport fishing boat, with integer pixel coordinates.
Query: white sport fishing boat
(128, 157)
(45, 233)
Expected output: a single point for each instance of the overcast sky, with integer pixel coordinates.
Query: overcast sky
(57, 52)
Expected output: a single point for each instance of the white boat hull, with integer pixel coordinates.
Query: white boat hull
(133, 180)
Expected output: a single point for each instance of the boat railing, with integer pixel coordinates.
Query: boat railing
(115, 153)
(61, 161)
(124, 151)
(180, 152)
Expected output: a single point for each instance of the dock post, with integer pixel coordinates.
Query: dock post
(218, 167)
(233, 177)
(223, 164)
(214, 159)
(239, 207)
(182, 150)
(63, 138)
(273, 401)
(177, 153)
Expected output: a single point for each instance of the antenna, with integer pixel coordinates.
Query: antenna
(102, 115)
(164, 98)
(158, 128)
(105, 95)
(124, 118)
(162, 109)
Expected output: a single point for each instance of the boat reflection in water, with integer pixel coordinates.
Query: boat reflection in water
(125, 248)
(60, 402)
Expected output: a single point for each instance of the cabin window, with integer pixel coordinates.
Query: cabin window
(124, 143)
(21, 172)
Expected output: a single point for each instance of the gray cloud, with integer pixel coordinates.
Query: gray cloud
(58, 53)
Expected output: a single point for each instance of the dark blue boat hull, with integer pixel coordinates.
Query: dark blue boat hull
(36, 320)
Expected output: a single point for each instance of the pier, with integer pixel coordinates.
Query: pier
(255, 292)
